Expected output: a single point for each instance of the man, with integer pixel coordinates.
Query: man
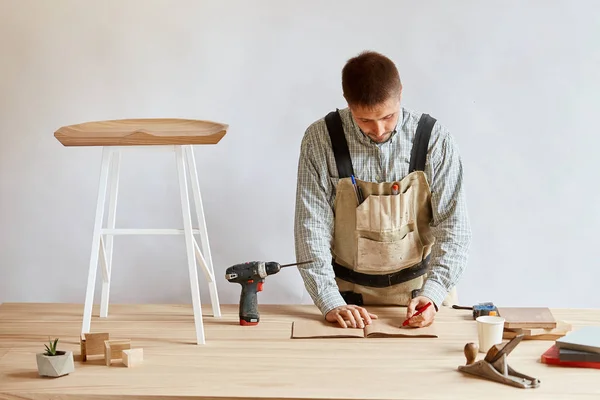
(380, 205)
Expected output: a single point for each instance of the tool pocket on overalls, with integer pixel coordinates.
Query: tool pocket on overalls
(387, 240)
(385, 213)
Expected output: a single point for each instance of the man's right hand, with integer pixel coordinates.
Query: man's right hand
(350, 316)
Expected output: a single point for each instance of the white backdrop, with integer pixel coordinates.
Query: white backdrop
(516, 82)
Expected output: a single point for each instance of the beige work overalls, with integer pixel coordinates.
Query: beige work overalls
(382, 241)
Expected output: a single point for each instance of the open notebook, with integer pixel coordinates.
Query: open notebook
(305, 329)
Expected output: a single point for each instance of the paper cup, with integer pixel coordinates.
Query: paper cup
(489, 331)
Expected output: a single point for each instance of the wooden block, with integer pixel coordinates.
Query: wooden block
(133, 357)
(549, 336)
(82, 347)
(527, 317)
(562, 328)
(113, 349)
(92, 344)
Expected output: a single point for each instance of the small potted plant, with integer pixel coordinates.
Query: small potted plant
(55, 363)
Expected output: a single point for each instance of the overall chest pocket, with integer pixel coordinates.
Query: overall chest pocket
(387, 240)
(385, 213)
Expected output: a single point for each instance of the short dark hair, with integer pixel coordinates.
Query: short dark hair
(370, 79)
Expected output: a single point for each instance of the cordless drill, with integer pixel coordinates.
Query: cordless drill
(251, 275)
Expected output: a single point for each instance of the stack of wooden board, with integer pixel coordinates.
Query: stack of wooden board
(537, 323)
(579, 348)
(572, 348)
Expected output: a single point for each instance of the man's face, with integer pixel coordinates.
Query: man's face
(378, 122)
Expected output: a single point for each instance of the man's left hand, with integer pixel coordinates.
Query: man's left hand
(425, 318)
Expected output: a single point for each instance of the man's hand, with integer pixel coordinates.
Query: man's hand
(424, 319)
(350, 316)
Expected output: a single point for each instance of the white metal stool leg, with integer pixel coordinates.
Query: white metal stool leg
(96, 240)
(204, 256)
(189, 244)
(108, 239)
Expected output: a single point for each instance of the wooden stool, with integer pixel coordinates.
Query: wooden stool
(174, 134)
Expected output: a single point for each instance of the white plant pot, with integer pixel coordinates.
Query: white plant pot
(55, 366)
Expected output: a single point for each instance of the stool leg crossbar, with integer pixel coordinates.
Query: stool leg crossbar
(102, 239)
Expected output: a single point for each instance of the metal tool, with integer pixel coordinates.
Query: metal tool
(494, 366)
(251, 275)
(487, 308)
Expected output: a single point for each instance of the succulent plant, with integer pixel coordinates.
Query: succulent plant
(51, 350)
(53, 362)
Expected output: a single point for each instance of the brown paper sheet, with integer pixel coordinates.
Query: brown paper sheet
(384, 328)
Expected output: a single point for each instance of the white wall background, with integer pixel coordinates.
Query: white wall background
(516, 82)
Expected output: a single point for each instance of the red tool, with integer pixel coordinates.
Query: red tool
(419, 312)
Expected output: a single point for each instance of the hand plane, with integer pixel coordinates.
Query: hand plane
(494, 366)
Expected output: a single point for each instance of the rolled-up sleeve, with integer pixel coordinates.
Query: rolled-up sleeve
(313, 226)
(450, 225)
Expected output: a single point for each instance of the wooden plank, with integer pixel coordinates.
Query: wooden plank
(527, 317)
(175, 367)
(562, 328)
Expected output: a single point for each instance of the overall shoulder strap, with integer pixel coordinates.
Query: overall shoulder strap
(421, 144)
(339, 144)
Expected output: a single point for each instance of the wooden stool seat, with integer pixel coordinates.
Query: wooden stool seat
(177, 135)
(142, 132)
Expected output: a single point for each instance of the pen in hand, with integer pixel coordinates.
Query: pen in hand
(419, 312)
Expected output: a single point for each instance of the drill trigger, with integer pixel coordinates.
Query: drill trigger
(259, 287)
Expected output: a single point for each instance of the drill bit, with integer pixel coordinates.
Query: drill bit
(298, 263)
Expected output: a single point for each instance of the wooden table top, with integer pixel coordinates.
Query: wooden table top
(142, 132)
(264, 362)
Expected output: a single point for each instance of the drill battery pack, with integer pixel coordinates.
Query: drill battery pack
(484, 309)
(487, 308)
